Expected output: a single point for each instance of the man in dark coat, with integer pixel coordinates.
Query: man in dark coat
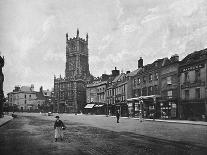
(117, 116)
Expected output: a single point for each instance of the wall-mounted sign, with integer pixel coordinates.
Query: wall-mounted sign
(190, 85)
(190, 68)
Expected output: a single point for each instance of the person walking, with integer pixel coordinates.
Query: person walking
(59, 127)
(117, 116)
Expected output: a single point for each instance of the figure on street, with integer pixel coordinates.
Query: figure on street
(58, 126)
(117, 116)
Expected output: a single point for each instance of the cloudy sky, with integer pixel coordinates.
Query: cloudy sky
(32, 34)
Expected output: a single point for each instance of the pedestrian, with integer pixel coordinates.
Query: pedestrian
(117, 116)
(59, 127)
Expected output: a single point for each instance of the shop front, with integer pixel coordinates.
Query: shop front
(168, 109)
(194, 109)
(146, 106)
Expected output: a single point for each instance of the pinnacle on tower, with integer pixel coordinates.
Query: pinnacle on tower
(87, 37)
(66, 37)
(77, 33)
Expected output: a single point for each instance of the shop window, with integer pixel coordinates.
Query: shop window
(186, 94)
(169, 80)
(197, 93)
(197, 75)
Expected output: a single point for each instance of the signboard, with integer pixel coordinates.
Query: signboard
(190, 85)
(190, 68)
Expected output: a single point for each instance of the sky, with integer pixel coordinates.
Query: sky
(32, 35)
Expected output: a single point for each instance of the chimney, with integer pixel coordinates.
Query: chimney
(32, 87)
(115, 72)
(140, 62)
(174, 58)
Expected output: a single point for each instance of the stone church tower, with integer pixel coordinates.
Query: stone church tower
(70, 92)
(77, 66)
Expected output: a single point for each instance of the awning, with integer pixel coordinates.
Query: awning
(89, 106)
(98, 106)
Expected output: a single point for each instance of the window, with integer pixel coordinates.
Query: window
(150, 90)
(186, 94)
(134, 82)
(197, 75)
(144, 79)
(169, 80)
(139, 81)
(144, 91)
(156, 76)
(25, 96)
(197, 93)
(186, 77)
(169, 94)
(150, 77)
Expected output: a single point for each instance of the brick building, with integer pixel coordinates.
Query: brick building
(70, 92)
(193, 87)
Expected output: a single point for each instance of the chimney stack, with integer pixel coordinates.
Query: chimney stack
(140, 62)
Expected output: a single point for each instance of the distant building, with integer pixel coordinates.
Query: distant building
(22, 98)
(70, 92)
(26, 99)
(193, 85)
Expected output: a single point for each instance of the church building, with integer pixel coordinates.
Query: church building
(70, 91)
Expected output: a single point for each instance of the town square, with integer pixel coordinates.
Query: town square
(103, 77)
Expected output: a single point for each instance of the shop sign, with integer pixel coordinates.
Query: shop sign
(190, 85)
(190, 68)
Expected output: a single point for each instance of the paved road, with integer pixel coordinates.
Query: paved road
(30, 135)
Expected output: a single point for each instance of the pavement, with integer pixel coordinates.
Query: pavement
(5, 119)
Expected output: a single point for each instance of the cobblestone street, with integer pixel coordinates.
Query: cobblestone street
(100, 135)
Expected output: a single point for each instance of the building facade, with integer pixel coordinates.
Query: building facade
(70, 92)
(169, 102)
(25, 99)
(146, 87)
(193, 88)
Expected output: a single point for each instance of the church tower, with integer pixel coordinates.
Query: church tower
(77, 66)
